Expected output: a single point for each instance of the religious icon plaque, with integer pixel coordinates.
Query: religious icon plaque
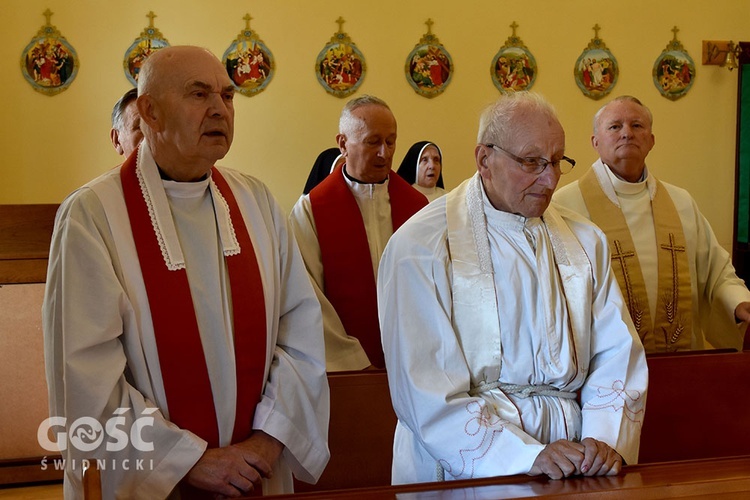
(249, 62)
(513, 67)
(674, 70)
(49, 63)
(149, 41)
(596, 69)
(340, 67)
(429, 67)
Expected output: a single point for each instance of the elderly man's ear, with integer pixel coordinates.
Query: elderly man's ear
(480, 153)
(114, 136)
(148, 109)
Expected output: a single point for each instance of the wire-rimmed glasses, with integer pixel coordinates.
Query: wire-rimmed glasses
(537, 164)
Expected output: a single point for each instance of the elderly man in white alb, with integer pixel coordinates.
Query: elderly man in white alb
(497, 310)
(177, 294)
(678, 282)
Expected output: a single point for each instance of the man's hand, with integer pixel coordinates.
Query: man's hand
(236, 470)
(560, 459)
(599, 459)
(742, 311)
(565, 458)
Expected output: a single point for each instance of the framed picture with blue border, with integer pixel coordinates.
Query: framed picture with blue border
(513, 67)
(596, 69)
(429, 67)
(340, 67)
(674, 70)
(49, 63)
(249, 62)
(149, 41)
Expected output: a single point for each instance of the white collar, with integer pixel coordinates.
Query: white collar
(611, 184)
(155, 195)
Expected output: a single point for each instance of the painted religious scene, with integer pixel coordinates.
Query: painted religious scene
(250, 66)
(674, 72)
(429, 69)
(50, 63)
(340, 68)
(137, 54)
(514, 68)
(596, 72)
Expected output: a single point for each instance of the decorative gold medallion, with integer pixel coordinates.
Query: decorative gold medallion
(596, 69)
(340, 66)
(149, 41)
(674, 70)
(49, 63)
(429, 67)
(513, 67)
(249, 62)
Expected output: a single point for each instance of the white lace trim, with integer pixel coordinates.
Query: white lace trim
(475, 209)
(233, 248)
(172, 266)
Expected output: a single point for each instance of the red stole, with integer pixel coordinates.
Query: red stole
(348, 276)
(181, 358)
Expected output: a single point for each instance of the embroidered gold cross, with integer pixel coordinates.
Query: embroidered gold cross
(673, 249)
(620, 256)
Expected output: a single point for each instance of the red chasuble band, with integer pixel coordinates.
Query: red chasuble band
(348, 276)
(181, 358)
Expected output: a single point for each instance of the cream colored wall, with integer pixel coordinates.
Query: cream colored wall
(51, 145)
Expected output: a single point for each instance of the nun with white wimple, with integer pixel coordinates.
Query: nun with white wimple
(422, 167)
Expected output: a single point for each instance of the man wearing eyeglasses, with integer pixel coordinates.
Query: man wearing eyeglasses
(672, 271)
(499, 312)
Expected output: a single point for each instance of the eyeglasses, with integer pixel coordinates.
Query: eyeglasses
(537, 164)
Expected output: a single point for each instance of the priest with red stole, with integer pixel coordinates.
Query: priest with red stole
(183, 340)
(343, 225)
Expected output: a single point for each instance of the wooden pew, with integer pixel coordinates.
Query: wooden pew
(698, 406)
(362, 419)
(360, 433)
(25, 233)
(727, 477)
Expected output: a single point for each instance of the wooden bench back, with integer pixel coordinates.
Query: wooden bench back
(360, 434)
(25, 234)
(698, 406)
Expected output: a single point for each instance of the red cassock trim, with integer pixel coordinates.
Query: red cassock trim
(181, 358)
(349, 282)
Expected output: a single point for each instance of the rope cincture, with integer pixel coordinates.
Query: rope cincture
(523, 391)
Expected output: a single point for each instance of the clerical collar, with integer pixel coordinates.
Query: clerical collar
(623, 186)
(644, 174)
(164, 176)
(352, 179)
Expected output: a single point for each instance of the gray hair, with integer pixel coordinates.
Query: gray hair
(496, 121)
(119, 109)
(622, 98)
(350, 124)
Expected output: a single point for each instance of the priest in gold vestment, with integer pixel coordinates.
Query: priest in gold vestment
(678, 282)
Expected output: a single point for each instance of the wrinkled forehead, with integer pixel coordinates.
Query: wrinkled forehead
(537, 127)
(622, 111)
(373, 120)
(183, 70)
